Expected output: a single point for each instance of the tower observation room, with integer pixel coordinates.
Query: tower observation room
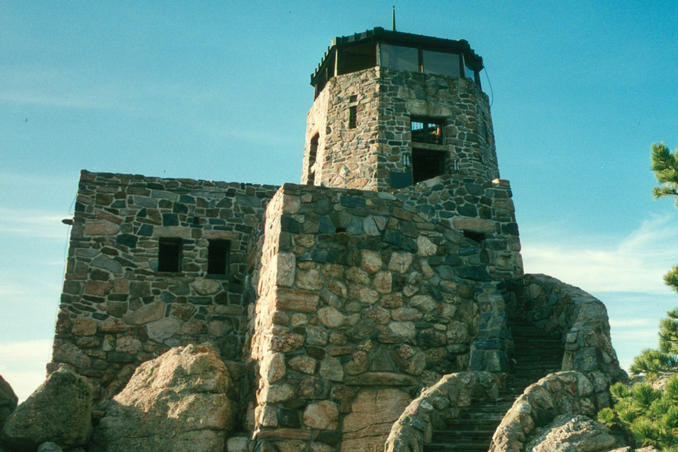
(392, 109)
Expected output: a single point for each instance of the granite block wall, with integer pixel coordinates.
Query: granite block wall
(385, 100)
(362, 300)
(117, 310)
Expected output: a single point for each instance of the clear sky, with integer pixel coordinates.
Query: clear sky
(220, 90)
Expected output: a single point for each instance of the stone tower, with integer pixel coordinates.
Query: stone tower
(394, 266)
(392, 109)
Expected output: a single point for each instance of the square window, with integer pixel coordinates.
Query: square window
(218, 257)
(427, 164)
(425, 130)
(169, 255)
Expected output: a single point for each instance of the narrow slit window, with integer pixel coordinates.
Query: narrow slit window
(218, 257)
(169, 255)
(313, 150)
(352, 117)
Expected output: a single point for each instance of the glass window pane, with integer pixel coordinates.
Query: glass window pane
(470, 73)
(427, 131)
(441, 63)
(401, 58)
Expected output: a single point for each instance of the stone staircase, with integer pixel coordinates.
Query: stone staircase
(534, 356)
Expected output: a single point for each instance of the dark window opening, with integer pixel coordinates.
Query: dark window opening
(312, 151)
(427, 164)
(442, 63)
(357, 57)
(169, 255)
(218, 253)
(483, 132)
(475, 236)
(352, 120)
(340, 229)
(427, 130)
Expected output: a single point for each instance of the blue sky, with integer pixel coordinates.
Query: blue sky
(220, 90)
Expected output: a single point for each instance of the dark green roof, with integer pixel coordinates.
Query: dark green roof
(378, 34)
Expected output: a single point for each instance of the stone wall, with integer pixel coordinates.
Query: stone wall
(564, 392)
(366, 156)
(468, 133)
(438, 406)
(346, 157)
(117, 310)
(559, 309)
(483, 209)
(361, 301)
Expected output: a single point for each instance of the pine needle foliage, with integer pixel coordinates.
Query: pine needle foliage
(651, 363)
(668, 333)
(649, 414)
(665, 168)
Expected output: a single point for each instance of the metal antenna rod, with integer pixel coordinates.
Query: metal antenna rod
(393, 18)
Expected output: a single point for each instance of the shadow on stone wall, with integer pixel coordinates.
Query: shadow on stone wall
(558, 309)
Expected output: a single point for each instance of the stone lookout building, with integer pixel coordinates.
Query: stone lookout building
(395, 262)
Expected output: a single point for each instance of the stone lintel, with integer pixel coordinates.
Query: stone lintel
(216, 234)
(172, 231)
(474, 224)
(295, 300)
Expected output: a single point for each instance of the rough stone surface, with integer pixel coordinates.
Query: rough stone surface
(8, 400)
(114, 291)
(372, 414)
(369, 312)
(558, 309)
(560, 393)
(572, 433)
(237, 444)
(59, 411)
(356, 157)
(438, 405)
(343, 297)
(49, 447)
(176, 402)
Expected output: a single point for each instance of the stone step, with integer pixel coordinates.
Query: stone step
(458, 446)
(534, 357)
(527, 367)
(528, 339)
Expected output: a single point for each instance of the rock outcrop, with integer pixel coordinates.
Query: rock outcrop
(60, 411)
(8, 400)
(565, 392)
(175, 402)
(572, 433)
